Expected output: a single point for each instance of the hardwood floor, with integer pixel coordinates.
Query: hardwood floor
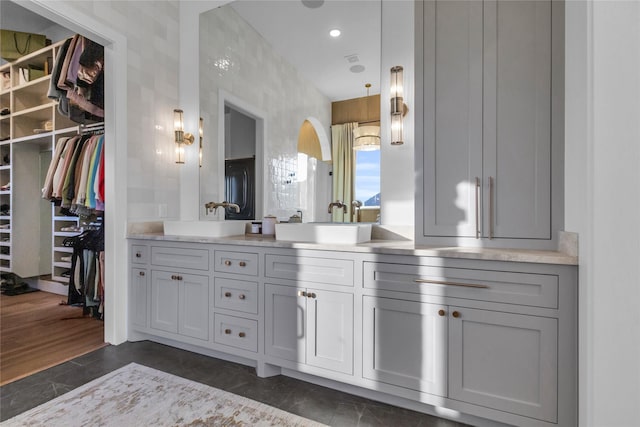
(36, 333)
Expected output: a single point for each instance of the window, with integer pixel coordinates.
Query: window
(367, 177)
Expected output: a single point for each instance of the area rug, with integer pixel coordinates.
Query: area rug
(136, 395)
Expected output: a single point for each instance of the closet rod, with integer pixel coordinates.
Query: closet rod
(93, 127)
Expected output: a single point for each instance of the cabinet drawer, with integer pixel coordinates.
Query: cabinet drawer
(236, 332)
(308, 269)
(139, 254)
(196, 259)
(236, 295)
(540, 290)
(236, 262)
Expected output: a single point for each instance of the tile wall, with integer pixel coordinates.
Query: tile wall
(152, 32)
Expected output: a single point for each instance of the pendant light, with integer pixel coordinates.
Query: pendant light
(366, 138)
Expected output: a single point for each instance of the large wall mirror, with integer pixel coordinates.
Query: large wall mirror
(266, 67)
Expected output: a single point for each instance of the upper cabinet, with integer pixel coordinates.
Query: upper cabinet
(489, 83)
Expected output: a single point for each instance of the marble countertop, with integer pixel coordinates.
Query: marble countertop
(390, 247)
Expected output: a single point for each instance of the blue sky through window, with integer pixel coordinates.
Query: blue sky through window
(367, 180)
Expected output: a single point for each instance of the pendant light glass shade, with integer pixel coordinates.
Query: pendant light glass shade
(366, 138)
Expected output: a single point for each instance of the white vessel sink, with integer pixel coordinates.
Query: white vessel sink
(204, 228)
(324, 232)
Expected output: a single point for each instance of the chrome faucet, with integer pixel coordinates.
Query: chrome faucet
(213, 206)
(357, 204)
(337, 204)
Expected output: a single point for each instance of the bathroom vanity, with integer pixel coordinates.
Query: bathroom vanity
(484, 335)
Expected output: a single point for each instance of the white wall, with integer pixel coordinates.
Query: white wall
(603, 202)
(236, 59)
(397, 190)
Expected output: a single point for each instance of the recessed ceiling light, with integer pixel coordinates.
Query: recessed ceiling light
(334, 33)
(357, 68)
(313, 4)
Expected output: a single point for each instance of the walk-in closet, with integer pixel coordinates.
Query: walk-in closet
(51, 193)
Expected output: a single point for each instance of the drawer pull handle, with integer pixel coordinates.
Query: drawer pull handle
(441, 282)
(302, 294)
(241, 296)
(141, 273)
(227, 294)
(227, 263)
(138, 255)
(241, 334)
(242, 264)
(441, 312)
(227, 331)
(455, 314)
(477, 207)
(491, 203)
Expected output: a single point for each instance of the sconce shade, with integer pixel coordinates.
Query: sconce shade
(178, 120)
(366, 138)
(180, 154)
(200, 133)
(398, 109)
(180, 137)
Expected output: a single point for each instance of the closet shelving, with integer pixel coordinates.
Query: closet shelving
(29, 130)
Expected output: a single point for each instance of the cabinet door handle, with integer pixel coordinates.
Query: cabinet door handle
(441, 312)
(173, 277)
(311, 295)
(242, 263)
(227, 294)
(455, 314)
(178, 277)
(302, 294)
(138, 255)
(141, 273)
(241, 334)
(241, 296)
(441, 282)
(491, 197)
(227, 263)
(227, 331)
(477, 207)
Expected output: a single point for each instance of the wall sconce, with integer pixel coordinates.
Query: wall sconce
(181, 138)
(201, 133)
(398, 108)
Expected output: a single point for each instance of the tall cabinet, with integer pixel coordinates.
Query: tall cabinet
(30, 237)
(489, 85)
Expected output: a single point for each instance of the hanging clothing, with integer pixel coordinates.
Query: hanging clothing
(77, 80)
(75, 178)
(86, 279)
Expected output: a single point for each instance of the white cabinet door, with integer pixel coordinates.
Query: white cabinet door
(452, 117)
(405, 344)
(504, 361)
(164, 301)
(193, 299)
(285, 322)
(139, 294)
(330, 330)
(517, 119)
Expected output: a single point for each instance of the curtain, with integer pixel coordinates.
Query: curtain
(343, 169)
